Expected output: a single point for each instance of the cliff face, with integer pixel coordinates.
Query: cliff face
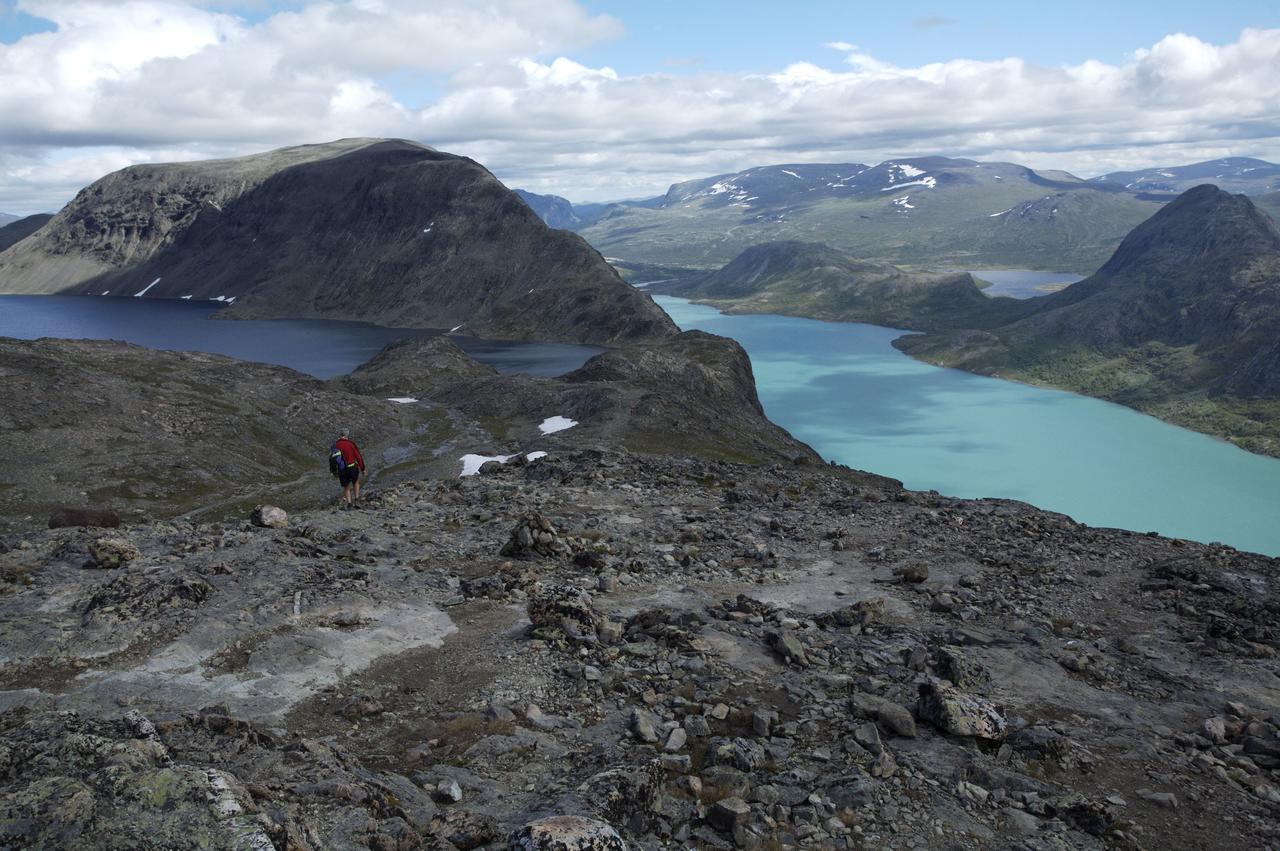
(390, 232)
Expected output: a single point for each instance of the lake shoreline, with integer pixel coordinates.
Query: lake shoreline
(843, 437)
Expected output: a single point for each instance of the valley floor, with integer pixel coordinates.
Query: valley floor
(699, 654)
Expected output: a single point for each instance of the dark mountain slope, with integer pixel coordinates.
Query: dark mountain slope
(1183, 321)
(19, 229)
(817, 281)
(390, 232)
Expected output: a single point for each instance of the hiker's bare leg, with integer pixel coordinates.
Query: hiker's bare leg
(357, 490)
(346, 494)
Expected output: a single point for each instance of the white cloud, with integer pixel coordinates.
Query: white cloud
(145, 80)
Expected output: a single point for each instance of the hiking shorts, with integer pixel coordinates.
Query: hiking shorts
(348, 475)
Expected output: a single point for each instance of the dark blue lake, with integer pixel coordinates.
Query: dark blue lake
(323, 348)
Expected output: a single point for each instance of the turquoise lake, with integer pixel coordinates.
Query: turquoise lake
(844, 390)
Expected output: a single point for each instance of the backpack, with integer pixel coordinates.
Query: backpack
(336, 462)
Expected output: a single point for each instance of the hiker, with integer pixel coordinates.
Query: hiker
(347, 464)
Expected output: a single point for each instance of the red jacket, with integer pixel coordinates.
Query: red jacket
(350, 453)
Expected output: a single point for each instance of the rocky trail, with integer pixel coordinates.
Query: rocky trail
(674, 652)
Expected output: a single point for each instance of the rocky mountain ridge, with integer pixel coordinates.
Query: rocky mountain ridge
(162, 434)
(385, 231)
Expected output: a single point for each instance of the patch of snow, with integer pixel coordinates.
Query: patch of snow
(792, 173)
(230, 299)
(910, 171)
(214, 205)
(471, 463)
(456, 328)
(403, 400)
(551, 425)
(143, 291)
(186, 298)
(426, 230)
(1166, 174)
(106, 292)
(902, 202)
(928, 183)
(1001, 213)
(997, 177)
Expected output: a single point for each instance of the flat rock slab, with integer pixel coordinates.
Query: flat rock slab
(284, 669)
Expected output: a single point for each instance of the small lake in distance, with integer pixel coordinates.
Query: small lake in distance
(320, 347)
(844, 390)
(1023, 283)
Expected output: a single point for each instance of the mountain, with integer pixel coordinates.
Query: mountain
(928, 211)
(821, 282)
(557, 212)
(384, 231)
(6, 218)
(1182, 322)
(562, 213)
(19, 229)
(1232, 174)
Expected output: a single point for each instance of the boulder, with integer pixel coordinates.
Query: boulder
(959, 714)
(565, 833)
(466, 829)
(563, 611)
(112, 552)
(269, 517)
(859, 614)
(534, 535)
(789, 647)
(729, 814)
(893, 716)
(100, 517)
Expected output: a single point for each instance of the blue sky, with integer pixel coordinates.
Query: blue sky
(599, 99)
(756, 35)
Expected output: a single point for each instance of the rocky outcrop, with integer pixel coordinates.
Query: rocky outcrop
(694, 393)
(384, 231)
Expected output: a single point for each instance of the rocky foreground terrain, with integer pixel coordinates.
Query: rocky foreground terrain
(682, 653)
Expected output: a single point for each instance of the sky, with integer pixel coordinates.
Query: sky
(602, 99)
